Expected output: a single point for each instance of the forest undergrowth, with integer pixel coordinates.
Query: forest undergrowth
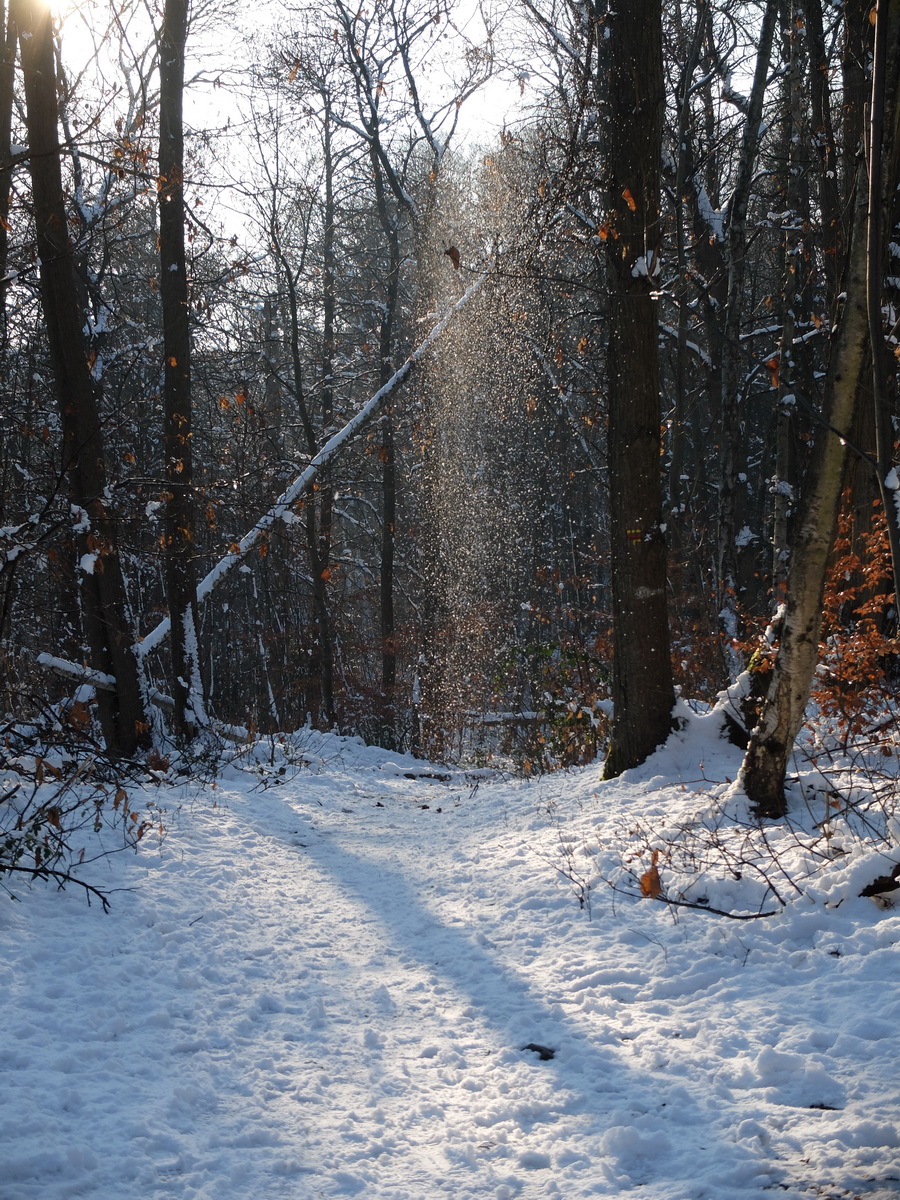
(66, 803)
(706, 850)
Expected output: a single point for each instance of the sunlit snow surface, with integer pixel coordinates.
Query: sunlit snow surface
(322, 987)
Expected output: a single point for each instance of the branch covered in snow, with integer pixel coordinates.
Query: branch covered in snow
(305, 480)
(282, 505)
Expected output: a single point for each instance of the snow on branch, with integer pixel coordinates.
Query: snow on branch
(305, 480)
(282, 505)
(62, 666)
(103, 682)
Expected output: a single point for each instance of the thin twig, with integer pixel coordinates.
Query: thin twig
(62, 878)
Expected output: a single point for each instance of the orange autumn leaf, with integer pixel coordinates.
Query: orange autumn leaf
(79, 716)
(629, 199)
(650, 881)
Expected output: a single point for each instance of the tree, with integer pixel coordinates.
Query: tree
(771, 742)
(859, 337)
(107, 630)
(179, 523)
(643, 694)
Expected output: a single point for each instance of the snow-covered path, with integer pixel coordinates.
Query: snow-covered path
(325, 987)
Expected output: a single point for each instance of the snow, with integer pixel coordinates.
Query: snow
(321, 981)
(648, 268)
(303, 481)
(746, 537)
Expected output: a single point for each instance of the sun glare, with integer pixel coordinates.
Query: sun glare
(64, 10)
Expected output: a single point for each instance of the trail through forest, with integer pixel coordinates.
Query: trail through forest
(322, 981)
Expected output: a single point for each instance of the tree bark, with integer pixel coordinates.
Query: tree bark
(884, 135)
(730, 410)
(179, 522)
(765, 765)
(103, 604)
(643, 693)
(7, 78)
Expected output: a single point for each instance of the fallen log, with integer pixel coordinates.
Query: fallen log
(282, 505)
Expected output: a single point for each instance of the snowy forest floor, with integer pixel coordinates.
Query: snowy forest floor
(321, 982)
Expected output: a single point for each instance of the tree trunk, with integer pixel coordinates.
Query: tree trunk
(765, 765)
(733, 358)
(180, 547)
(884, 136)
(390, 303)
(643, 693)
(794, 201)
(103, 606)
(7, 78)
(326, 488)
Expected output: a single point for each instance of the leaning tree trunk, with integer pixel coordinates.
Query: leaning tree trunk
(180, 546)
(103, 602)
(643, 693)
(765, 765)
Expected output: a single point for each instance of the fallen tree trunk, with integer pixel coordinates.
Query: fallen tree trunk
(304, 481)
(282, 505)
(102, 682)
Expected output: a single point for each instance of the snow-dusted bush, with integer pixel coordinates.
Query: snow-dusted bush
(699, 846)
(64, 804)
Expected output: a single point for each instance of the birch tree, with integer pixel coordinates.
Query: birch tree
(859, 338)
(771, 742)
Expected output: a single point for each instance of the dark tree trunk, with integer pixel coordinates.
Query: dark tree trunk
(883, 147)
(103, 606)
(825, 149)
(179, 550)
(7, 75)
(389, 732)
(732, 443)
(643, 692)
